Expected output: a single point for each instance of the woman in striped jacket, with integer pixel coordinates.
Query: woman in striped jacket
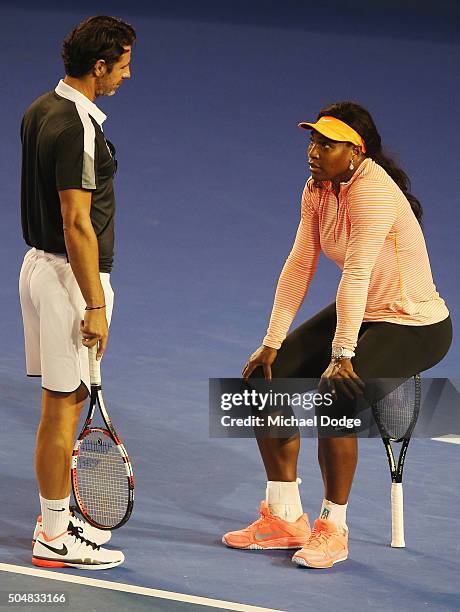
(388, 320)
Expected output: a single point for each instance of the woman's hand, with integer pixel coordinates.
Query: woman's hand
(264, 356)
(340, 376)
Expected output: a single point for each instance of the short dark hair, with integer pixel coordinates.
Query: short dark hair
(99, 37)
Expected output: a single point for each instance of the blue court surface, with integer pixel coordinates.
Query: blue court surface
(211, 168)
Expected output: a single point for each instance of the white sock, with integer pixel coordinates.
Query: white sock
(55, 515)
(337, 513)
(283, 499)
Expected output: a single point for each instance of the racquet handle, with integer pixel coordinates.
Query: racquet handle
(397, 515)
(94, 367)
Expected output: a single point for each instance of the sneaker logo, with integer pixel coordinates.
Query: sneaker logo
(264, 536)
(325, 513)
(60, 551)
(53, 510)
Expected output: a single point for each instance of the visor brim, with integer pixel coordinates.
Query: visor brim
(325, 130)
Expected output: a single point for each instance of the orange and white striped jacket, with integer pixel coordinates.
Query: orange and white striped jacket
(370, 231)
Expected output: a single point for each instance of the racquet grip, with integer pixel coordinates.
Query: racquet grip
(94, 366)
(397, 515)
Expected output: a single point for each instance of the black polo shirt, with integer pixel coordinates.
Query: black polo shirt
(63, 147)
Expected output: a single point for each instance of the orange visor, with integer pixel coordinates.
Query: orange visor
(335, 130)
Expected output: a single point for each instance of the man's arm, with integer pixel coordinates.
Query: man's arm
(83, 253)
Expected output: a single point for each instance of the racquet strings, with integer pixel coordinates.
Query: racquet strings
(397, 410)
(102, 480)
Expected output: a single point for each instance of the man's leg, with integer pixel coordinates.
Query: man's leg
(55, 440)
(55, 545)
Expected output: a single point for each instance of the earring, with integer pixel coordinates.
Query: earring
(351, 166)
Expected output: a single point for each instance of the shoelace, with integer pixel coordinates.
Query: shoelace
(75, 519)
(319, 536)
(74, 511)
(73, 524)
(75, 531)
(264, 516)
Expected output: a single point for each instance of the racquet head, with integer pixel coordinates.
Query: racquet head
(396, 414)
(102, 479)
(102, 475)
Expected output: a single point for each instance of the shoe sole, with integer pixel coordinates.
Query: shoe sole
(259, 547)
(303, 563)
(84, 566)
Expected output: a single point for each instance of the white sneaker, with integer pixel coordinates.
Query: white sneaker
(70, 549)
(87, 531)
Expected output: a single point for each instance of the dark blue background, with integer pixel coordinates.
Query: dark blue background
(212, 164)
(211, 169)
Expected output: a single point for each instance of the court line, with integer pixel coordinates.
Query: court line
(451, 438)
(130, 588)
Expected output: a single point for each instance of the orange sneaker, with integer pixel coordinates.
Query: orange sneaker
(270, 532)
(327, 545)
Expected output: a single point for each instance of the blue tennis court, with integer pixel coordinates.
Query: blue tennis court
(211, 170)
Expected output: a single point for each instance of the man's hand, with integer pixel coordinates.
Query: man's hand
(95, 330)
(340, 376)
(264, 356)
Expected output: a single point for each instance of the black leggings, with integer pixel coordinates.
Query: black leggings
(384, 351)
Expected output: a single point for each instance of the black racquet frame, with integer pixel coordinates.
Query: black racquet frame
(396, 469)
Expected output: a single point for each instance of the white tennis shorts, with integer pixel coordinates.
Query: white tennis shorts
(52, 307)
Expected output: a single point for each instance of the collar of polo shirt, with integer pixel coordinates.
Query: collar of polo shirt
(68, 92)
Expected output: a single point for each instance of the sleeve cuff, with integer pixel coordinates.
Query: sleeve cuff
(271, 343)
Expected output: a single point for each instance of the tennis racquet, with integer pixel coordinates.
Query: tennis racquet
(102, 475)
(396, 415)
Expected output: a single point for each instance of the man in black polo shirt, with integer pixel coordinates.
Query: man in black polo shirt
(67, 211)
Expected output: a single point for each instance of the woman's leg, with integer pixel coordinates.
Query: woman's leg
(338, 458)
(384, 350)
(279, 456)
(304, 354)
